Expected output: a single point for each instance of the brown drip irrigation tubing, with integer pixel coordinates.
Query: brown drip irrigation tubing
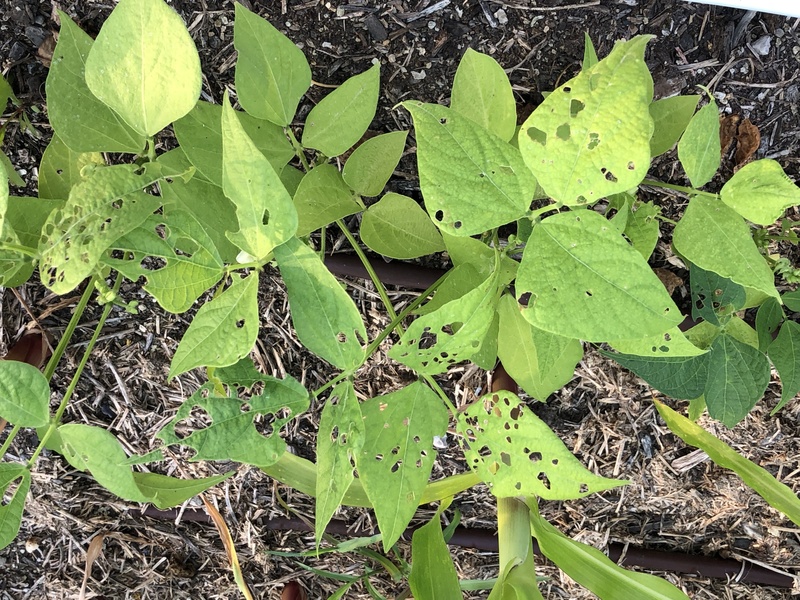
(486, 541)
(418, 277)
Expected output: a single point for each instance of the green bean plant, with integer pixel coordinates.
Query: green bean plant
(247, 187)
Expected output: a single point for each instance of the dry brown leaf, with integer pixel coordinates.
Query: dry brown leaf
(45, 50)
(94, 550)
(669, 279)
(728, 126)
(293, 591)
(230, 549)
(748, 140)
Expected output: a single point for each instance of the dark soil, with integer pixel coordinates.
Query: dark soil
(604, 414)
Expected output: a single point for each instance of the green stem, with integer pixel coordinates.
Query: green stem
(301, 474)
(19, 249)
(298, 149)
(7, 444)
(513, 532)
(151, 150)
(389, 308)
(70, 330)
(54, 423)
(679, 188)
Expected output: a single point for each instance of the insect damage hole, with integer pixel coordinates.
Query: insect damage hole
(594, 140)
(545, 481)
(239, 323)
(341, 337)
(575, 107)
(537, 135)
(563, 132)
(608, 175)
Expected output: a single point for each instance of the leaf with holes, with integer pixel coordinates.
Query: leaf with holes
(325, 318)
(516, 454)
(784, 353)
(398, 227)
(738, 374)
(230, 428)
(200, 135)
(321, 198)
(24, 394)
(340, 119)
(775, 493)
(23, 226)
(642, 227)
(450, 334)
(699, 148)
(538, 361)
(482, 93)
(576, 266)
(78, 117)
(397, 456)
(11, 508)
(670, 344)
(459, 281)
(264, 209)
(594, 570)
(715, 238)
(93, 449)
(60, 169)
(714, 296)
(223, 330)
(104, 206)
(340, 438)
(471, 180)
(591, 137)
(670, 118)
(144, 65)
(369, 167)
(760, 191)
(272, 74)
(96, 450)
(175, 255)
(204, 201)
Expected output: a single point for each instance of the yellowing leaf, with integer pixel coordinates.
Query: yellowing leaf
(144, 65)
(516, 454)
(760, 192)
(591, 137)
(264, 209)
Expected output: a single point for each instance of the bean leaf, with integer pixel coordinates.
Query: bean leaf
(517, 454)
(397, 456)
(144, 65)
(223, 330)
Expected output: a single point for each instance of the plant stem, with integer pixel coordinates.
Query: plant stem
(54, 423)
(7, 444)
(19, 249)
(513, 532)
(678, 188)
(390, 309)
(298, 149)
(70, 330)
